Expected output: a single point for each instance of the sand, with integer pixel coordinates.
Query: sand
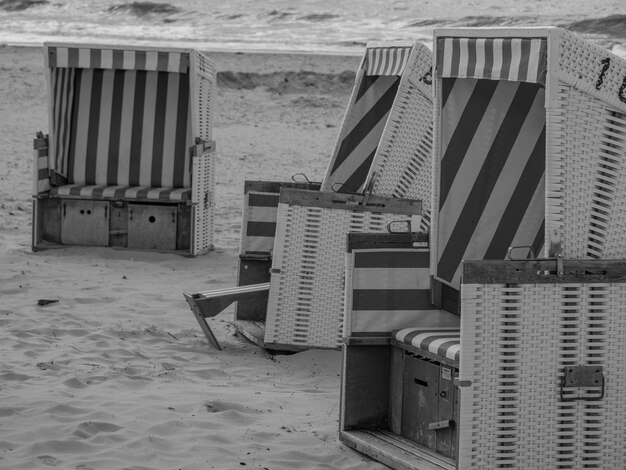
(116, 374)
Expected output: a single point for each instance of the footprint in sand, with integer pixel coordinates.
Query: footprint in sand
(48, 460)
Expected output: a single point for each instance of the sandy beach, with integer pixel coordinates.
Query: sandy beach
(116, 373)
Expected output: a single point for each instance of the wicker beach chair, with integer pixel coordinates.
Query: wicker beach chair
(529, 145)
(387, 124)
(529, 136)
(129, 160)
(531, 379)
(292, 298)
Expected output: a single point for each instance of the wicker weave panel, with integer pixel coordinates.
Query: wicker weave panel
(203, 187)
(582, 64)
(206, 76)
(586, 182)
(306, 300)
(516, 339)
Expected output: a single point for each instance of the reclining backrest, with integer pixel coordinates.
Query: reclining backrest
(120, 117)
(374, 92)
(388, 285)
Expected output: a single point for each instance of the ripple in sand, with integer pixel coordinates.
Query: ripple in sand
(74, 383)
(14, 377)
(90, 429)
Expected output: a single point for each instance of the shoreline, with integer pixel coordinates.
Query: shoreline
(252, 61)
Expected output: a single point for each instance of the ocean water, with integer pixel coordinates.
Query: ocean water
(330, 26)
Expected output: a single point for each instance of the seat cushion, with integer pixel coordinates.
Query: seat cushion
(444, 342)
(122, 192)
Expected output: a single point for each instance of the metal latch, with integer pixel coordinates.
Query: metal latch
(582, 377)
(448, 423)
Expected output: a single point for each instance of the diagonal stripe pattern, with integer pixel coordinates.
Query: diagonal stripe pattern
(373, 97)
(492, 169)
(364, 127)
(514, 59)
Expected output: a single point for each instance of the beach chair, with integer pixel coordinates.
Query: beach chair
(529, 136)
(530, 380)
(391, 93)
(128, 161)
(529, 149)
(292, 298)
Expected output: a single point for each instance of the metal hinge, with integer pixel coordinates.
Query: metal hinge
(582, 377)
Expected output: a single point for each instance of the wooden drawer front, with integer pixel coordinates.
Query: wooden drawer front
(85, 222)
(152, 227)
(429, 405)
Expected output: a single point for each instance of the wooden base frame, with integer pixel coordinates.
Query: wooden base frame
(139, 225)
(371, 407)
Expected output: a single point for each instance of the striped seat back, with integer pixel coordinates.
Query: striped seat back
(490, 151)
(260, 214)
(120, 117)
(374, 92)
(388, 286)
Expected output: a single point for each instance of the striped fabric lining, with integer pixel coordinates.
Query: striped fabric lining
(100, 58)
(515, 59)
(391, 290)
(260, 230)
(445, 342)
(492, 183)
(126, 127)
(62, 87)
(387, 60)
(368, 116)
(123, 192)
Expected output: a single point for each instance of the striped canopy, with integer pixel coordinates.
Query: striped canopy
(102, 58)
(387, 60)
(513, 59)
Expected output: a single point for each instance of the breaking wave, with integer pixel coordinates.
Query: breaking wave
(613, 25)
(141, 9)
(20, 5)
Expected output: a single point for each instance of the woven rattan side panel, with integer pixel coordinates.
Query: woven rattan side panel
(592, 69)
(586, 177)
(516, 340)
(306, 301)
(203, 201)
(205, 94)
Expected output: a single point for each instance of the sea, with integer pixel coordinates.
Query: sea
(315, 26)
